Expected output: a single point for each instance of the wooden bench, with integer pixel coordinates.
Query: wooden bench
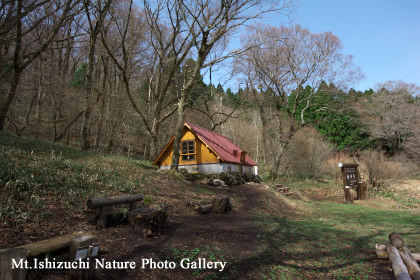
(103, 202)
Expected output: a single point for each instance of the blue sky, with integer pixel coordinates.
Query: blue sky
(382, 35)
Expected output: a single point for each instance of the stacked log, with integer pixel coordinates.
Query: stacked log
(404, 263)
(149, 221)
(220, 205)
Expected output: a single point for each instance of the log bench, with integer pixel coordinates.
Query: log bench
(103, 202)
(51, 245)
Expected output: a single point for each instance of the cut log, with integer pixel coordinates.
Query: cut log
(382, 254)
(7, 271)
(396, 240)
(113, 200)
(150, 221)
(50, 245)
(398, 267)
(204, 208)
(221, 203)
(409, 261)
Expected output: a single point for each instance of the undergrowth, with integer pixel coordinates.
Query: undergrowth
(34, 173)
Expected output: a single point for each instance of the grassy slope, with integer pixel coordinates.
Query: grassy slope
(35, 174)
(323, 240)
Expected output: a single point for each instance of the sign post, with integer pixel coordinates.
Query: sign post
(351, 179)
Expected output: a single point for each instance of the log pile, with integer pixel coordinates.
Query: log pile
(220, 204)
(404, 263)
(149, 221)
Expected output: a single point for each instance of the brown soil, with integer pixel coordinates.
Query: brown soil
(233, 232)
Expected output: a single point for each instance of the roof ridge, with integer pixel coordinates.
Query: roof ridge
(212, 132)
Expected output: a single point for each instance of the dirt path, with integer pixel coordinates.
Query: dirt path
(233, 233)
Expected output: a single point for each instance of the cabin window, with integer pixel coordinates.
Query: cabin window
(188, 150)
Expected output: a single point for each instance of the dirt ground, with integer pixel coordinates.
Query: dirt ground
(233, 232)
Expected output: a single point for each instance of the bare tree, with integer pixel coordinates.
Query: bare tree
(18, 24)
(95, 14)
(281, 62)
(205, 24)
(391, 115)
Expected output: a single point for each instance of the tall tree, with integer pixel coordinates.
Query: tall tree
(19, 22)
(282, 61)
(391, 114)
(205, 25)
(95, 14)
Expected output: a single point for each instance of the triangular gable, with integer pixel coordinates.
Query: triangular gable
(163, 150)
(220, 145)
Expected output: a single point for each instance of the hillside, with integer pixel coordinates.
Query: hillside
(44, 188)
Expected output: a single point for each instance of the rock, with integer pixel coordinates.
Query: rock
(218, 182)
(221, 204)
(149, 221)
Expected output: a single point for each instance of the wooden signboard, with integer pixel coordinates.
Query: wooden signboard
(350, 177)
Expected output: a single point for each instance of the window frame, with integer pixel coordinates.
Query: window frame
(189, 153)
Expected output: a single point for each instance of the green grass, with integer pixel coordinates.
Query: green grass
(34, 171)
(333, 241)
(403, 198)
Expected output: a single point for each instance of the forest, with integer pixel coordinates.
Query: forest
(92, 90)
(122, 76)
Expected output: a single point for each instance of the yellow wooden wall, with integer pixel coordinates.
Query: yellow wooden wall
(203, 154)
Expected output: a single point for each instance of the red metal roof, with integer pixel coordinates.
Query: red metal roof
(221, 145)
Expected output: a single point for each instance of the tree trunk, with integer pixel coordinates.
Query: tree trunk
(84, 133)
(103, 103)
(178, 133)
(12, 92)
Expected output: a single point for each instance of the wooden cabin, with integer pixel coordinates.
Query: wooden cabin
(205, 151)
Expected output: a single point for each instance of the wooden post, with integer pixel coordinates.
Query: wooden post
(347, 194)
(86, 254)
(361, 191)
(77, 242)
(7, 271)
(102, 217)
